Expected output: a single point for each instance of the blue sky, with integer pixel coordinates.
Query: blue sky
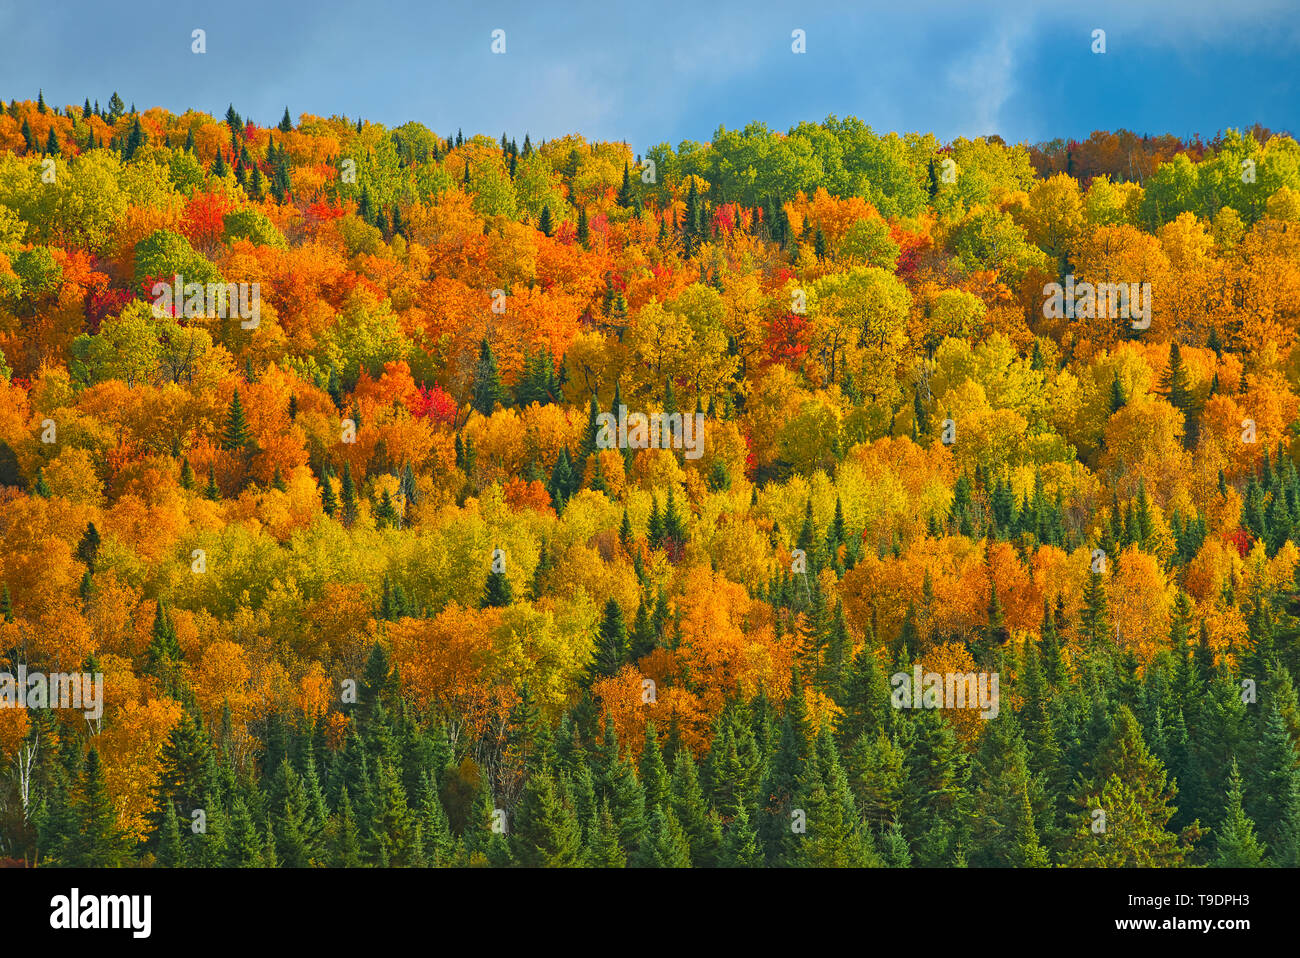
(661, 70)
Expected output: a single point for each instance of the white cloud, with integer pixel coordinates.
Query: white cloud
(983, 80)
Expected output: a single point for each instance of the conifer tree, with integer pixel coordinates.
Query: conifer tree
(700, 823)
(616, 783)
(655, 527)
(329, 501)
(653, 771)
(545, 833)
(348, 496)
(1273, 777)
(497, 594)
(1235, 844)
(603, 849)
(782, 782)
(345, 839)
(563, 482)
(834, 836)
(741, 848)
(1131, 786)
(1095, 617)
(611, 642)
(625, 532)
(625, 197)
(583, 229)
(88, 547)
(135, 140)
(666, 845)
(99, 842)
(488, 390)
(674, 528)
(163, 656)
(171, 851)
(1004, 828)
(236, 435)
(865, 699)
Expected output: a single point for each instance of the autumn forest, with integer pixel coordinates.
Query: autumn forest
(432, 499)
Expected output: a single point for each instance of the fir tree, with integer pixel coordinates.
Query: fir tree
(345, 840)
(488, 389)
(497, 594)
(666, 845)
(603, 849)
(741, 848)
(545, 832)
(348, 496)
(236, 435)
(171, 851)
(625, 197)
(88, 547)
(611, 642)
(99, 842)
(1236, 845)
(584, 229)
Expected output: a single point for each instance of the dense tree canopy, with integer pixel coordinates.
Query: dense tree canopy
(366, 585)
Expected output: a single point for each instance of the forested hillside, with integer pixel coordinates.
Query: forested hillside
(371, 581)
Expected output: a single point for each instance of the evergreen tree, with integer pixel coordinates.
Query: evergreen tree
(700, 823)
(497, 594)
(611, 642)
(674, 527)
(163, 655)
(625, 532)
(1004, 828)
(345, 839)
(329, 501)
(236, 435)
(625, 197)
(1274, 775)
(741, 848)
(334, 387)
(1177, 387)
(488, 389)
(781, 784)
(1095, 618)
(1131, 786)
(1235, 845)
(135, 140)
(99, 842)
(655, 526)
(584, 229)
(666, 845)
(603, 849)
(348, 496)
(88, 547)
(545, 832)
(563, 482)
(171, 852)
